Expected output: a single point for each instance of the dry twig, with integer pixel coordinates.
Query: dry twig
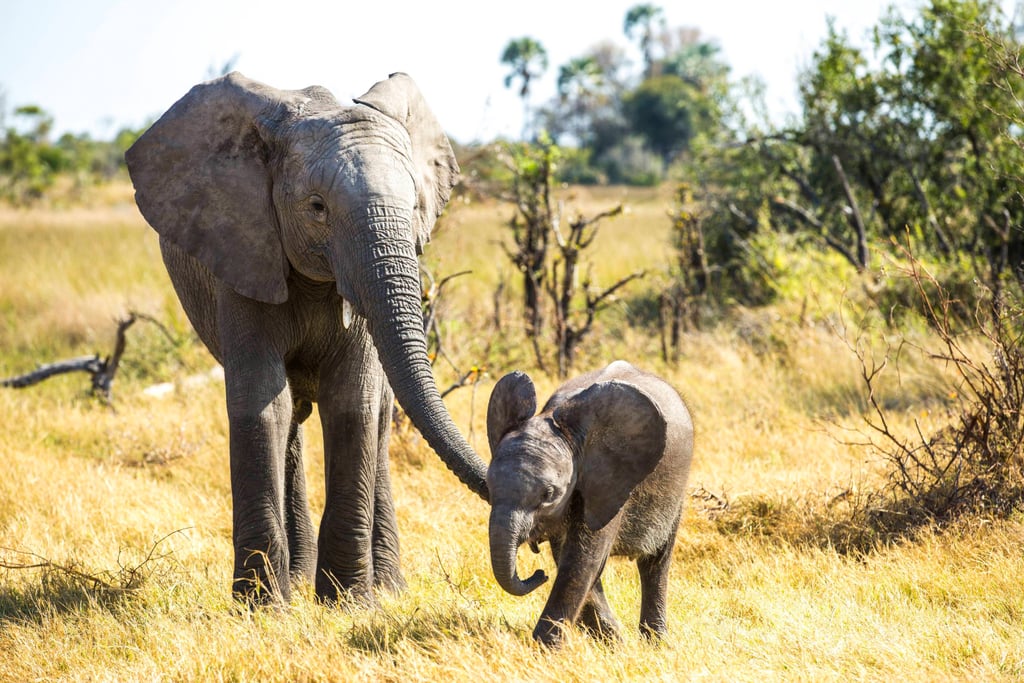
(126, 579)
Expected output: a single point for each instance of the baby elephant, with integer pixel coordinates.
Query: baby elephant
(600, 471)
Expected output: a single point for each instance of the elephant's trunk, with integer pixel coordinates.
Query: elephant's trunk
(507, 530)
(387, 291)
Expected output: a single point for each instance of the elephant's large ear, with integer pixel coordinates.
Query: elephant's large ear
(513, 402)
(437, 170)
(623, 433)
(201, 180)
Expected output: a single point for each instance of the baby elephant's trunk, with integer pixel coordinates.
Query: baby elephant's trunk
(507, 531)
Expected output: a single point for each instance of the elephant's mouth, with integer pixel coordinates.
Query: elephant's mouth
(536, 537)
(543, 530)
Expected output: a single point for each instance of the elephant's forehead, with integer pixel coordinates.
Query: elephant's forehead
(533, 453)
(343, 128)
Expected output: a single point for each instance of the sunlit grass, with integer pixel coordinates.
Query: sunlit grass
(141, 491)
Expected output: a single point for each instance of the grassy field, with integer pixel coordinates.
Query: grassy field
(115, 522)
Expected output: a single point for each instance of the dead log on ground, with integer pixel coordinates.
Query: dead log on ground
(101, 370)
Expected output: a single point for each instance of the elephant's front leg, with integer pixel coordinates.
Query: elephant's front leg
(386, 571)
(349, 400)
(581, 559)
(596, 616)
(259, 416)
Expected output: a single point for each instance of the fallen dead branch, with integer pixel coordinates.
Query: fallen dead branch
(101, 370)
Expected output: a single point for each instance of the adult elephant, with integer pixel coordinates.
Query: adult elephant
(290, 226)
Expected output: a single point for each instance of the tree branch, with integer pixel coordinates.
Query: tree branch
(91, 364)
(858, 221)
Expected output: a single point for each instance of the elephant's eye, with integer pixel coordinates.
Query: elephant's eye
(317, 205)
(550, 493)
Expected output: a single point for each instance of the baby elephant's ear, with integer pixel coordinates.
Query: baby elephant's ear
(513, 402)
(623, 435)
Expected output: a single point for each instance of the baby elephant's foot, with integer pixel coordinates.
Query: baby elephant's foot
(653, 631)
(549, 633)
(602, 626)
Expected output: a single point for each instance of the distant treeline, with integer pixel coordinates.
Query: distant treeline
(915, 138)
(31, 162)
(625, 123)
(915, 142)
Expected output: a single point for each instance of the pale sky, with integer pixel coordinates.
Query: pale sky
(99, 65)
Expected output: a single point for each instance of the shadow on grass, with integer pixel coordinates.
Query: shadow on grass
(857, 523)
(385, 632)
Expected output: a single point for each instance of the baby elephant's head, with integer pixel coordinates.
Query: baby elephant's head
(600, 442)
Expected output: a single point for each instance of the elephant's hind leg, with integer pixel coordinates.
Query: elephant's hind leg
(654, 589)
(597, 616)
(299, 525)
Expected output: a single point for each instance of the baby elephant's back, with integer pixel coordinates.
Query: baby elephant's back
(652, 512)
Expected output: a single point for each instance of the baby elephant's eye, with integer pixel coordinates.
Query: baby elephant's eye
(550, 493)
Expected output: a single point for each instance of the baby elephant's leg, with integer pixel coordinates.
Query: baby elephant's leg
(597, 616)
(654, 590)
(580, 562)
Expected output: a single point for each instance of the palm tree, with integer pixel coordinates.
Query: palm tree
(527, 60)
(578, 83)
(643, 19)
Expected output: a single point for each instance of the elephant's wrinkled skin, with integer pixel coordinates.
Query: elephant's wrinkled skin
(290, 226)
(600, 471)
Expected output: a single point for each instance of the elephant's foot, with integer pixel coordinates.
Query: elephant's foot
(390, 580)
(300, 580)
(256, 580)
(653, 631)
(549, 632)
(355, 594)
(601, 625)
(254, 591)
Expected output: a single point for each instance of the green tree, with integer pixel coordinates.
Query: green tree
(925, 137)
(685, 98)
(588, 108)
(696, 61)
(914, 138)
(579, 84)
(29, 163)
(668, 112)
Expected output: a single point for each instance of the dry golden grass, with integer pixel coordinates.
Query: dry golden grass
(138, 499)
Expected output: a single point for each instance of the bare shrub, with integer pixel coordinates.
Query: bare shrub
(971, 467)
(549, 256)
(975, 463)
